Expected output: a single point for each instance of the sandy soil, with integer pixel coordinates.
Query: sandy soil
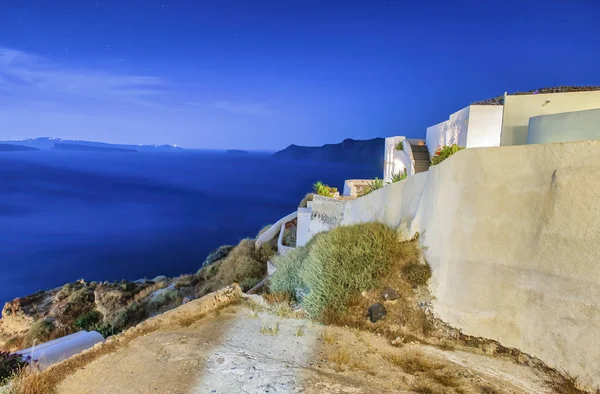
(240, 350)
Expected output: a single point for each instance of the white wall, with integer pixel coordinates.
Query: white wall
(518, 110)
(302, 231)
(327, 213)
(484, 126)
(449, 132)
(564, 127)
(397, 161)
(513, 238)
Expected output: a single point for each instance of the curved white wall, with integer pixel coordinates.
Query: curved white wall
(564, 127)
(396, 161)
(513, 238)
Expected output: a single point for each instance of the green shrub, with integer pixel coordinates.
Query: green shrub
(209, 272)
(287, 277)
(165, 300)
(219, 254)
(127, 317)
(400, 176)
(305, 200)
(323, 190)
(40, 331)
(372, 186)
(249, 283)
(346, 261)
(444, 152)
(10, 364)
(88, 320)
(105, 329)
(289, 236)
(416, 274)
(400, 145)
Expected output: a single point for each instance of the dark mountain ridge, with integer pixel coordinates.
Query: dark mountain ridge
(364, 152)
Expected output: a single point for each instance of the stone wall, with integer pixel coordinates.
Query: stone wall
(513, 238)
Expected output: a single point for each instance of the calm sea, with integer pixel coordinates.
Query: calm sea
(110, 216)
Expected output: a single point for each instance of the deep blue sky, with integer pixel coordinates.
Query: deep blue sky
(258, 74)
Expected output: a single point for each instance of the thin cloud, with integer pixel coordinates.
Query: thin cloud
(243, 108)
(33, 75)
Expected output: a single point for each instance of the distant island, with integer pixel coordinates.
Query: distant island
(45, 143)
(365, 152)
(14, 148)
(237, 152)
(90, 148)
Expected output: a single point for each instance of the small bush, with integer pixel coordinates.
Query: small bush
(346, 261)
(127, 317)
(88, 320)
(372, 186)
(10, 364)
(162, 301)
(287, 277)
(400, 145)
(289, 236)
(40, 331)
(444, 152)
(323, 190)
(249, 283)
(106, 330)
(243, 262)
(218, 255)
(400, 176)
(416, 274)
(209, 272)
(305, 200)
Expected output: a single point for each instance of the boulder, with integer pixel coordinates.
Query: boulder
(377, 312)
(389, 294)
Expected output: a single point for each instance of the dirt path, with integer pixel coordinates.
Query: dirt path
(239, 350)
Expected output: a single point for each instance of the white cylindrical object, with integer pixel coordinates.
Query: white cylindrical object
(60, 349)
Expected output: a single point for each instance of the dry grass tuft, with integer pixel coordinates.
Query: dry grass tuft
(276, 298)
(416, 274)
(305, 200)
(300, 331)
(565, 383)
(145, 292)
(244, 264)
(486, 389)
(328, 337)
(412, 362)
(340, 358)
(270, 330)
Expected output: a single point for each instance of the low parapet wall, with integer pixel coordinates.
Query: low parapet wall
(513, 238)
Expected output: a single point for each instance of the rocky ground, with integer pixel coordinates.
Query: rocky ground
(244, 349)
(111, 307)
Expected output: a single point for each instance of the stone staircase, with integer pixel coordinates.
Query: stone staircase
(421, 156)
